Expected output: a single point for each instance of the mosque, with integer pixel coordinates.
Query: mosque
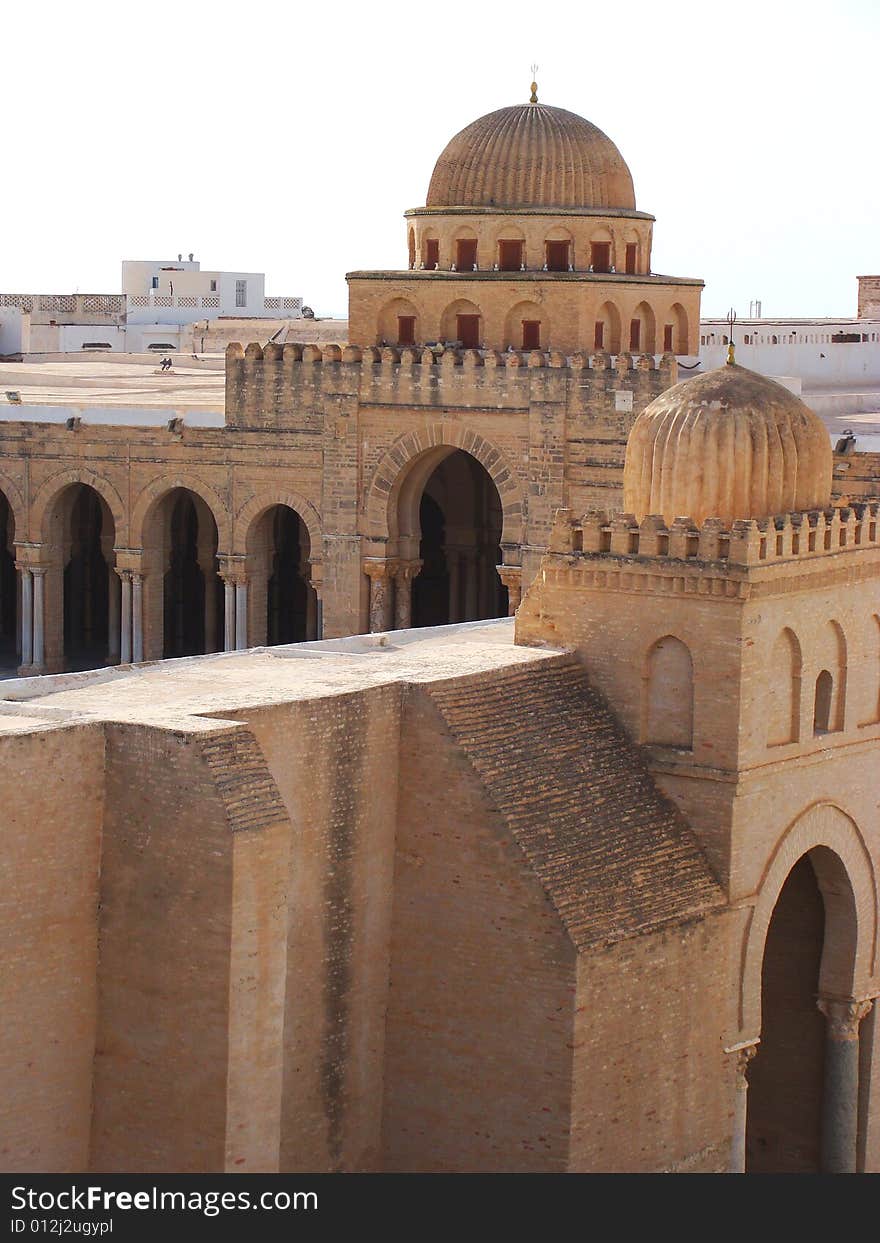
(244, 928)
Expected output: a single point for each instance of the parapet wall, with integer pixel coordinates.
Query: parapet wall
(266, 384)
(747, 542)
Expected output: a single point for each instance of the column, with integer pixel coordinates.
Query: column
(113, 633)
(453, 562)
(840, 1097)
(137, 617)
(228, 615)
(241, 636)
(511, 577)
(314, 577)
(471, 586)
(27, 616)
(125, 618)
(379, 574)
(39, 574)
(406, 571)
(744, 1054)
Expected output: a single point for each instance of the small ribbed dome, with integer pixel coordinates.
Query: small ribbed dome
(531, 156)
(728, 444)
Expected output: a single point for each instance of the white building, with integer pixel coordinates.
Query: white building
(822, 353)
(177, 291)
(834, 355)
(164, 306)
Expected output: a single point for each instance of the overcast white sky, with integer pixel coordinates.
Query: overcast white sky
(289, 138)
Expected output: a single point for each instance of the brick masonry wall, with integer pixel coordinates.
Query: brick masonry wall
(479, 1029)
(335, 762)
(51, 791)
(653, 1089)
(179, 1024)
(334, 439)
(869, 296)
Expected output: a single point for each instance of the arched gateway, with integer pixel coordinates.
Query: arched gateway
(445, 517)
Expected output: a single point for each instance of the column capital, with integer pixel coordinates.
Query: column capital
(30, 556)
(844, 1016)
(407, 570)
(232, 567)
(131, 559)
(744, 1056)
(376, 568)
(125, 575)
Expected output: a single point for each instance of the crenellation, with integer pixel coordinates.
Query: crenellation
(748, 542)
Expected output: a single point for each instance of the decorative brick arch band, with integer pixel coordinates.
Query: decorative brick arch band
(849, 968)
(51, 488)
(251, 511)
(391, 472)
(154, 492)
(15, 500)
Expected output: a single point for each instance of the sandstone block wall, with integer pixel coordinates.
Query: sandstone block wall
(479, 1057)
(653, 1089)
(51, 792)
(335, 763)
(183, 1060)
(869, 297)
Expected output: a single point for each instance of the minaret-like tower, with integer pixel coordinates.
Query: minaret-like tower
(732, 619)
(529, 240)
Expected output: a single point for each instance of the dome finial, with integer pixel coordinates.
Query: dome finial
(731, 320)
(534, 96)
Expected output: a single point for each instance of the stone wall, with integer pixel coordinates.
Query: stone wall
(869, 297)
(482, 979)
(51, 791)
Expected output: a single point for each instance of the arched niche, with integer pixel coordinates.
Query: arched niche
(668, 695)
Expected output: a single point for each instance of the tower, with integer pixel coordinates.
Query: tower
(529, 239)
(732, 620)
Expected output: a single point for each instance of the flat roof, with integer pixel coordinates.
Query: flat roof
(817, 320)
(173, 692)
(87, 381)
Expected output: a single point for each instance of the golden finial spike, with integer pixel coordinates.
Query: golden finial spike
(731, 320)
(534, 96)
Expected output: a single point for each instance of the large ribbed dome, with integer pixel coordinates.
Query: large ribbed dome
(728, 444)
(531, 156)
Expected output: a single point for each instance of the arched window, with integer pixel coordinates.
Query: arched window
(465, 250)
(557, 254)
(668, 698)
(783, 706)
(511, 252)
(606, 330)
(641, 329)
(829, 655)
(431, 251)
(872, 672)
(679, 326)
(462, 322)
(526, 327)
(412, 248)
(822, 703)
(398, 323)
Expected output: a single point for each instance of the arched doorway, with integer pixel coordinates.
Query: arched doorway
(803, 1084)
(8, 588)
(82, 591)
(87, 580)
(456, 534)
(283, 601)
(192, 599)
(783, 1130)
